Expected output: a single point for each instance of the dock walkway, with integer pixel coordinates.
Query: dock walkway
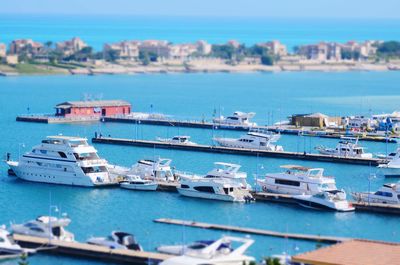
(219, 126)
(85, 250)
(238, 151)
(254, 231)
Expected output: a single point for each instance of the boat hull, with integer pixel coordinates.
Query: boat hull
(55, 177)
(318, 205)
(142, 187)
(208, 196)
(389, 172)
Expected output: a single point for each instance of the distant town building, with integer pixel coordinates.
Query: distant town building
(320, 52)
(3, 50)
(93, 108)
(181, 51)
(234, 43)
(124, 50)
(315, 120)
(158, 47)
(365, 50)
(11, 59)
(26, 46)
(203, 47)
(70, 47)
(275, 47)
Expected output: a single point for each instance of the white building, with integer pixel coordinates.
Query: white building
(71, 46)
(125, 50)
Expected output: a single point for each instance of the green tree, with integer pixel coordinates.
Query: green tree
(144, 58)
(389, 48)
(23, 259)
(272, 261)
(267, 60)
(111, 55)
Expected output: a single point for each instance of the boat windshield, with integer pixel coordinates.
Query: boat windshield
(76, 143)
(96, 169)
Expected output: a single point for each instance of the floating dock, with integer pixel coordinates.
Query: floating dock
(54, 119)
(253, 231)
(219, 126)
(84, 250)
(239, 151)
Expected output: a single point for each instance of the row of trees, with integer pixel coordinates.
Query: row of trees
(237, 54)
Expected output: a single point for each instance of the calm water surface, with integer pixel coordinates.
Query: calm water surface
(193, 96)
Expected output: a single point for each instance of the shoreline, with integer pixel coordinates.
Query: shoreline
(120, 69)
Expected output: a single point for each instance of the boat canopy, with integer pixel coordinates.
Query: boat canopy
(296, 167)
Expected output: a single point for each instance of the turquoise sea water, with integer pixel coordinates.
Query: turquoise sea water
(272, 96)
(97, 30)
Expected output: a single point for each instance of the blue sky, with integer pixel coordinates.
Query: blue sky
(230, 8)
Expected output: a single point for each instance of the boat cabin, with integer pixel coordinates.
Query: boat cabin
(93, 108)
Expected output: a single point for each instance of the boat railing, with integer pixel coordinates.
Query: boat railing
(91, 162)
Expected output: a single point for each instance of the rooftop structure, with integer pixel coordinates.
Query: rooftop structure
(354, 252)
(93, 108)
(70, 46)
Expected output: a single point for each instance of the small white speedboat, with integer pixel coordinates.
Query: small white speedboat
(193, 247)
(117, 240)
(211, 254)
(8, 248)
(328, 200)
(347, 147)
(179, 139)
(134, 182)
(46, 227)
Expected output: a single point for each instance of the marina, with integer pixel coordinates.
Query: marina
(239, 151)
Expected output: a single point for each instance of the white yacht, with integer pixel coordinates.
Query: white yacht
(63, 160)
(157, 169)
(134, 182)
(238, 118)
(193, 247)
(388, 193)
(347, 147)
(297, 180)
(222, 170)
(213, 254)
(252, 140)
(328, 200)
(179, 139)
(8, 247)
(392, 168)
(47, 227)
(213, 188)
(117, 240)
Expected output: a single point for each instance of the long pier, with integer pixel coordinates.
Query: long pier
(85, 250)
(238, 151)
(254, 231)
(277, 129)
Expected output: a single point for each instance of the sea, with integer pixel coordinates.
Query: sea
(272, 96)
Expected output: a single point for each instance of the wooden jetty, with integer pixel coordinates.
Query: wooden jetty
(210, 125)
(238, 151)
(377, 208)
(85, 250)
(254, 231)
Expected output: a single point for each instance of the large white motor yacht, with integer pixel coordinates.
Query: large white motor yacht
(47, 227)
(392, 168)
(347, 147)
(213, 254)
(334, 200)
(252, 140)
(63, 160)
(222, 170)
(178, 139)
(297, 180)
(238, 118)
(388, 193)
(158, 169)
